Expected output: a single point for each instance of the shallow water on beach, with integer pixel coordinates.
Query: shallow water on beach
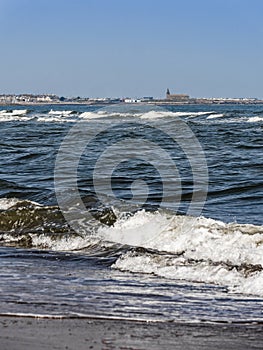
(152, 247)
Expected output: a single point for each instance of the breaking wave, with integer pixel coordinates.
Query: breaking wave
(61, 113)
(255, 119)
(214, 116)
(62, 116)
(14, 112)
(160, 243)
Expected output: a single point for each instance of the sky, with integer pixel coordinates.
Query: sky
(135, 48)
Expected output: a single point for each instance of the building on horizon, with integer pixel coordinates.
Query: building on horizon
(176, 97)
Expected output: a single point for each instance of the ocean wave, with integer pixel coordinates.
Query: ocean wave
(61, 113)
(13, 112)
(108, 114)
(194, 249)
(165, 113)
(160, 242)
(246, 278)
(7, 203)
(55, 119)
(255, 119)
(215, 116)
(195, 238)
(64, 116)
(92, 115)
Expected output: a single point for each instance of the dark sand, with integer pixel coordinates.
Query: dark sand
(18, 333)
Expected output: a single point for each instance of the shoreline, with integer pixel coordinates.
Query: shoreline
(19, 333)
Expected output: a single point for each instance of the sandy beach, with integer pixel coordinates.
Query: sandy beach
(18, 333)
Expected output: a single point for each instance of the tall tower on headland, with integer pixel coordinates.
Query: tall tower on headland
(167, 93)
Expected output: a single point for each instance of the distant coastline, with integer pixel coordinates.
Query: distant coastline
(175, 99)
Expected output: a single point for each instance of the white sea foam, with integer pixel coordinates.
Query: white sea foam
(198, 238)
(255, 119)
(15, 112)
(199, 249)
(202, 272)
(66, 243)
(215, 116)
(12, 115)
(181, 247)
(60, 113)
(166, 113)
(61, 116)
(6, 118)
(192, 249)
(106, 114)
(157, 114)
(92, 115)
(197, 114)
(6, 203)
(55, 119)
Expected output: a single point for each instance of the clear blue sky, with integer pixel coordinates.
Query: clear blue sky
(132, 48)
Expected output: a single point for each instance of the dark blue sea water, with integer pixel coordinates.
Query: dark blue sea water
(132, 211)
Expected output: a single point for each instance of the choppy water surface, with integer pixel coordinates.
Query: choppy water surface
(137, 251)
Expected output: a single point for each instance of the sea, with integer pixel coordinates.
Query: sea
(133, 212)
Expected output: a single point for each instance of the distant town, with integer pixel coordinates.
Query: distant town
(170, 99)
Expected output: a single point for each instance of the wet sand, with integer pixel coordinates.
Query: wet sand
(18, 333)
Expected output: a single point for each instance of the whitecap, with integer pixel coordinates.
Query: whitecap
(215, 116)
(6, 203)
(15, 112)
(255, 119)
(60, 113)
